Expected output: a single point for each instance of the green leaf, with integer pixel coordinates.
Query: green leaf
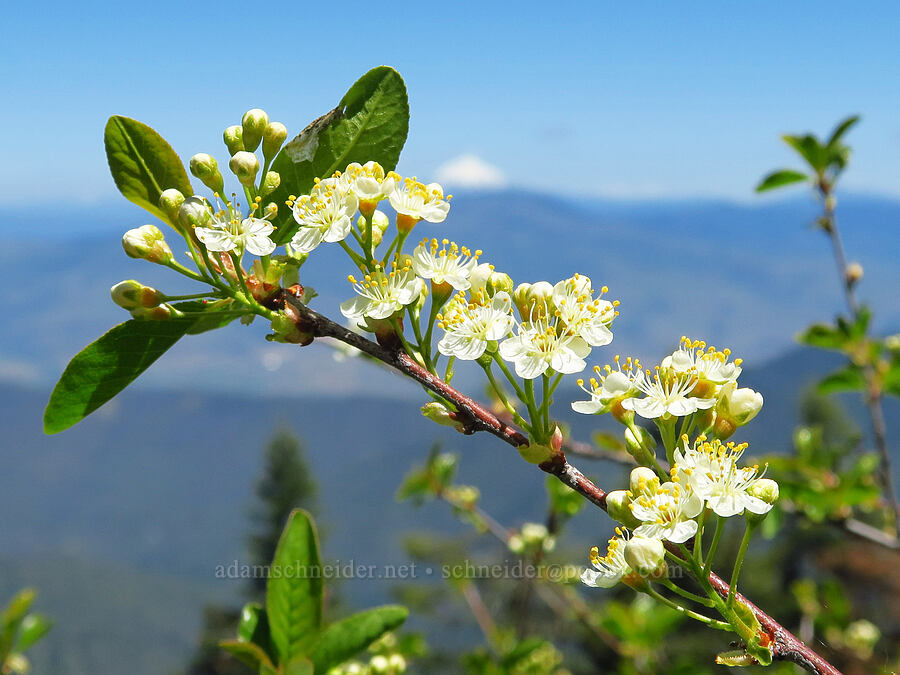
(298, 666)
(108, 365)
(841, 129)
(780, 178)
(33, 628)
(342, 639)
(143, 164)
(809, 148)
(247, 653)
(824, 336)
(11, 619)
(849, 378)
(294, 591)
(370, 123)
(203, 324)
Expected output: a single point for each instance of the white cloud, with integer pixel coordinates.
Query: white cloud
(469, 171)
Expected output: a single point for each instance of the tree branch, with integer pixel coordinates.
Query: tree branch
(475, 417)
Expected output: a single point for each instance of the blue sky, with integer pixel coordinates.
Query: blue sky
(617, 99)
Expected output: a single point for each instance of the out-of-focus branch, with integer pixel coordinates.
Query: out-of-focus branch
(873, 394)
(475, 417)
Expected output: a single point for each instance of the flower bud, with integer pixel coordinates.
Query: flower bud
(274, 135)
(254, 125)
(533, 534)
(245, 166)
(645, 555)
(640, 447)
(439, 413)
(234, 139)
(270, 211)
(738, 405)
(170, 201)
(853, 273)
(640, 478)
(765, 489)
(618, 506)
(515, 544)
(380, 224)
(159, 313)
(499, 281)
(133, 294)
(521, 298)
(147, 242)
(462, 496)
(378, 665)
(206, 168)
(270, 182)
(892, 342)
(397, 663)
(194, 212)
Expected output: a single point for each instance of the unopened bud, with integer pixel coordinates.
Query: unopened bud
(254, 125)
(378, 665)
(270, 182)
(618, 506)
(234, 139)
(515, 544)
(170, 201)
(556, 439)
(285, 329)
(206, 168)
(499, 281)
(245, 166)
(765, 489)
(740, 405)
(533, 534)
(159, 313)
(642, 477)
(397, 663)
(274, 135)
(270, 211)
(645, 555)
(133, 294)
(194, 212)
(854, 273)
(380, 224)
(439, 413)
(147, 242)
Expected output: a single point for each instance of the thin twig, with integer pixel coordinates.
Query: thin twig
(475, 417)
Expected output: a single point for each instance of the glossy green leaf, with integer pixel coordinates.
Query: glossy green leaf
(294, 590)
(204, 324)
(850, 378)
(143, 164)
(33, 628)
(809, 148)
(247, 653)
(780, 178)
(370, 123)
(108, 365)
(341, 640)
(842, 128)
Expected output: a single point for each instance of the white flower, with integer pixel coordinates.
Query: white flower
(609, 387)
(666, 393)
(229, 232)
(667, 511)
(538, 347)
(414, 201)
(713, 473)
(610, 569)
(369, 183)
(469, 326)
(382, 294)
(442, 265)
(707, 363)
(581, 313)
(325, 214)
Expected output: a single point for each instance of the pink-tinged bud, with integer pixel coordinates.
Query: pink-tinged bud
(274, 136)
(556, 440)
(133, 294)
(170, 202)
(159, 313)
(234, 139)
(245, 166)
(147, 242)
(254, 125)
(206, 168)
(645, 555)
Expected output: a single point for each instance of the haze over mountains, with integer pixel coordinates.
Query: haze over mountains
(122, 520)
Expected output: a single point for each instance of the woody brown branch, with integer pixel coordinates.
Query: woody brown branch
(475, 417)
